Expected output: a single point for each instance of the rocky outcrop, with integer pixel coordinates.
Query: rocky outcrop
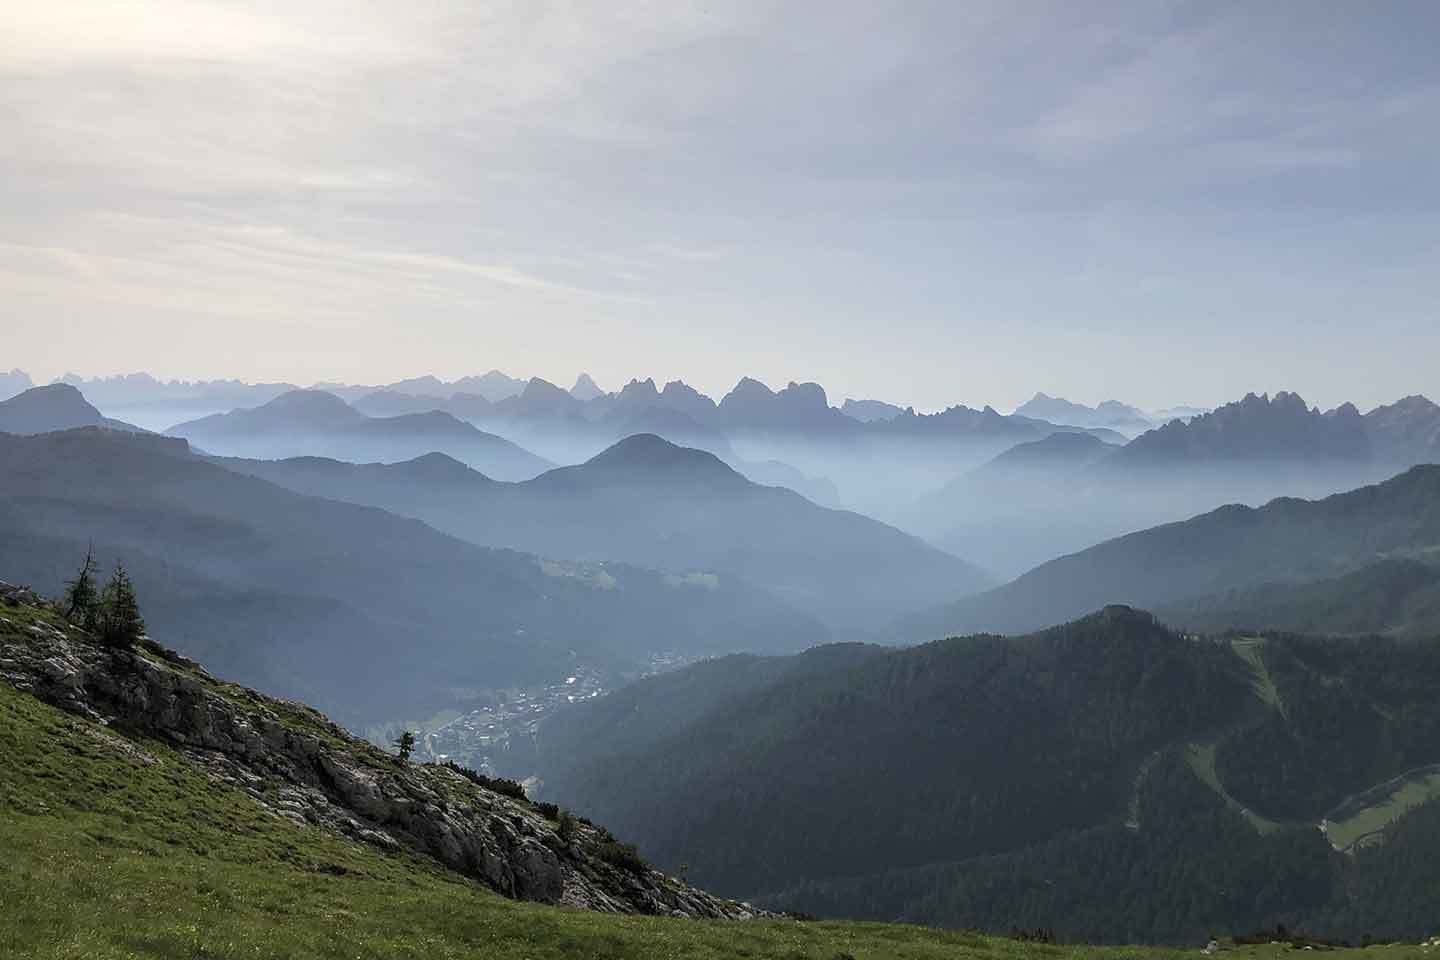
(312, 773)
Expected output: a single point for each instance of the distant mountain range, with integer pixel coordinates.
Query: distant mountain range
(1109, 779)
(1110, 413)
(868, 411)
(1037, 502)
(1257, 428)
(1288, 541)
(14, 382)
(311, 597)
(883, 458)
(316, 422)
(649, 502)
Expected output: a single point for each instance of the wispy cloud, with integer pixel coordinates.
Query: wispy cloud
(656, 178)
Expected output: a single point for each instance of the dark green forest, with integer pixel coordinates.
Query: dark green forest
(1050, 781)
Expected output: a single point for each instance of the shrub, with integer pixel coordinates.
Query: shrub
(621, 855)
(499, 785)
(565, 827)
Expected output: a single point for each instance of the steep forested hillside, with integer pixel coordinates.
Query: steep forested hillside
(1110, 779)
(1398, 596)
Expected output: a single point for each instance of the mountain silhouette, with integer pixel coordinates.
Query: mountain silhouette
(13, 383)
(1109, 413)
(1405, 432)
(1256, 428)
(1287, 540)
(58, 406)
(586, 389)
(650, 502)
(314, 422)
(868, 411)
(313, 597)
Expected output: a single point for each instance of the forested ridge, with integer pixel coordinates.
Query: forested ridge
(1110, 779)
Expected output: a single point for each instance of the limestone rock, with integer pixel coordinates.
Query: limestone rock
(312, 773)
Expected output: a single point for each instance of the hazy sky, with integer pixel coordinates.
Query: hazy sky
(929, 203)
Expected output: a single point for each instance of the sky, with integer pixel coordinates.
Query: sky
(928, 203)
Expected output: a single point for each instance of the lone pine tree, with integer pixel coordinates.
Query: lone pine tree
(120, 622)
(82, 602)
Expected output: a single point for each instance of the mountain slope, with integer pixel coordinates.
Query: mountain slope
(650, 502)
(1232, 547)
(317, 423)
(1397, 595)
(1405, 432)
(1108, 778)
(1008, 510)
(1248, 452)
(56, 407)
(129, 839)
(315, 598)
(301, 768)
(855, 733)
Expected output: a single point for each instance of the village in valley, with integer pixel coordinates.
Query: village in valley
(499, 739)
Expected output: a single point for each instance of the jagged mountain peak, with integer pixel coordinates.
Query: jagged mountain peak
(747, 388)
(1256, 427)
(586, 389)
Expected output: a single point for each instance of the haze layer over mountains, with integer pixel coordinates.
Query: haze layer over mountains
(843, 604)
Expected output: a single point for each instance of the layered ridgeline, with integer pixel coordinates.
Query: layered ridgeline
(1193, 569)
(314, 598)
(1110, 778)
(872, 463)
(650, 502)
(1045, 499)
(305, 422)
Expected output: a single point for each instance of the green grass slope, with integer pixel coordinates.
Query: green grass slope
(117, 848)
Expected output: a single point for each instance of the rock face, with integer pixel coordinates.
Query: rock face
(309, 771)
